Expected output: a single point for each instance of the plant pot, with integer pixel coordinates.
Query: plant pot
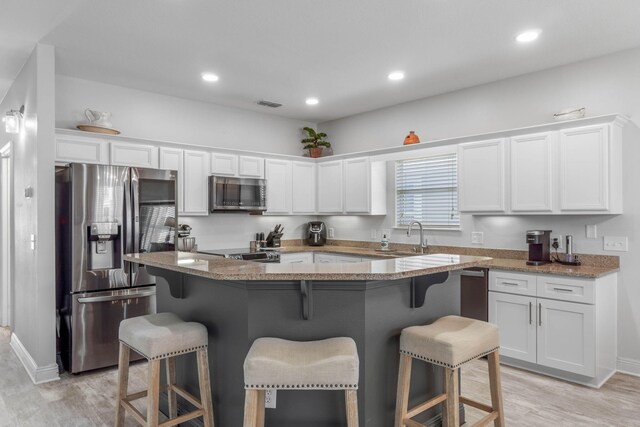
(315, 152)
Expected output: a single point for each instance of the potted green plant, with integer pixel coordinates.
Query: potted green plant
(314, 142)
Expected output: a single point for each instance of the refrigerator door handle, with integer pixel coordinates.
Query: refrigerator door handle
(135, 197)
(105, 298)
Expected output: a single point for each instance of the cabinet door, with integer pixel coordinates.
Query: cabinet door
(135, 155)
(481, 176)
(73, 149)
(566, 336)
(300, 258)
(303, 199)
(196, 172)
(278, 175)
(584, 170)
(531, 172)
(172, 159)
(224, 164)
(357, 185)
(515, 316)
(330, 187)
(252, 167)
(347, 259)
(324, 258)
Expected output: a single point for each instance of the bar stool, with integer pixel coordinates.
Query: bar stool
(158, 337)
(450, 342)
(276, 364)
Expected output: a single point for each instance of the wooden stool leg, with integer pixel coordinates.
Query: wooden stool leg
(153, 395)
(171, 381)
(123, 381)
(402, 393)
(444, 404)
(260, 415)
(251, 408)
(453, 398)
(496, 387)
(351, 403)
(205, 387)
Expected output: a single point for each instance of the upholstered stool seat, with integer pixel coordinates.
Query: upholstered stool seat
(326, 364)
(273, 363)
(158, 337)
(450, 342)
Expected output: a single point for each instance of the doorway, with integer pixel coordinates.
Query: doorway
(6, 236)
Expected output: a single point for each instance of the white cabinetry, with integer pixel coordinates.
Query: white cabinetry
(278, 175)
(196, 172)
(173, 159)
(330, 185)
(481, 176)
(79, 149)
(135, 155)
(531, 172)
(567, 328)
(303, 189)
(325, 258)
(297, 258)
(250, 167)
(224, 164)
(365, 186)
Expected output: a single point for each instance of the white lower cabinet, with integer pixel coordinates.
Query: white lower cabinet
(334, 258)
(297, 258)
(550, 332)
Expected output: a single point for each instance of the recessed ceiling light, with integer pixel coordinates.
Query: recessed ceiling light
(396, 75)
(312, 101)
(209, 77)
(528, 36)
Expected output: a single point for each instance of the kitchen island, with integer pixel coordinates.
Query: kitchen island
(239, 301)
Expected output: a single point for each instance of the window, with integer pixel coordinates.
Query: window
(427, 191)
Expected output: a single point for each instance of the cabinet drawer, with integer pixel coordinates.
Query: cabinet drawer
(566, 289)
(514, 283)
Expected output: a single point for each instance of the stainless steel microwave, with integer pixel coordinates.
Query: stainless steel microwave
(237, 194)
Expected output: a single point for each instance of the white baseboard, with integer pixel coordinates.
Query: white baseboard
(38, 374)
(629, 366)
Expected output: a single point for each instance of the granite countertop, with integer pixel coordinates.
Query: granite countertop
(519, 265)
(218, 268)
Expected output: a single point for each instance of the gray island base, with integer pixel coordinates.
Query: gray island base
(373, 313)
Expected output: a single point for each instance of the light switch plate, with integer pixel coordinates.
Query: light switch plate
(477, 237)
(332, 233)
(616, 243)
(591, 231)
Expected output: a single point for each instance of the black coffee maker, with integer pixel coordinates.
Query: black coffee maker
(539, 247)
(316, 233)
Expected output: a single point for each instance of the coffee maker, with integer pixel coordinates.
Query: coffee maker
(539, 247)
(316, 233)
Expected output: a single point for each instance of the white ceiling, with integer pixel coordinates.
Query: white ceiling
(337, 50)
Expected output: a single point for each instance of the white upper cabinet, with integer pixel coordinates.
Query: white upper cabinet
(278, 176)
(330, 185)
(481, 176)
(251, 167)
(172, 159)
(195, 188)
(224, 164)
(135, 155)
(78, 149)
(365, 186)
(584, 169)
(532, 172)
(303, 188)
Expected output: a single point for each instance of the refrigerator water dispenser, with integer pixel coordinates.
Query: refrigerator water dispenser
(105, 245)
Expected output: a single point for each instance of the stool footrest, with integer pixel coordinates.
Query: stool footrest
(188, 396)
(182, 418)
(133, 411)
(410, 423)
(476, 404)
(418, 409)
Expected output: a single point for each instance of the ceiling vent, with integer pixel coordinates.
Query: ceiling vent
(269, 104)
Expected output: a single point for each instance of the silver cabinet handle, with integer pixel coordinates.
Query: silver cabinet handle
(509, 284)
(530, 307)
(539, 314)
(563, 290)
(107, 298)
(472, 273)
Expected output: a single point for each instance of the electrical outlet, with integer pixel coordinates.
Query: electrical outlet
(270, 398)
(559, 238)
(477, 237)
(332, 233)
(591, 231)
(616, 243)
(386, 231)
(374, 234)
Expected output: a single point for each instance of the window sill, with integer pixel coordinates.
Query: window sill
(401, 227)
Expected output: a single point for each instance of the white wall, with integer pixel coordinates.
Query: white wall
(604, 85)
(143, 114)
(33, 270)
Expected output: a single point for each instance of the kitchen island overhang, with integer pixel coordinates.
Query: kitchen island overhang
(366, 301)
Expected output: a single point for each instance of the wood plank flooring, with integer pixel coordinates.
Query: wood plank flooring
(529, 400)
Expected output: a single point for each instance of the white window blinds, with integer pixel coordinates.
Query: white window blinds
(427, 191)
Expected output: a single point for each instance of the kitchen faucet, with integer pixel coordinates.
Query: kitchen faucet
(423, 240)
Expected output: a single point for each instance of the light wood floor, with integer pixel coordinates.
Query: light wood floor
(530, 400)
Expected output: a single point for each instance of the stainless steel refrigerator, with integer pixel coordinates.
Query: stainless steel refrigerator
(103, 212)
